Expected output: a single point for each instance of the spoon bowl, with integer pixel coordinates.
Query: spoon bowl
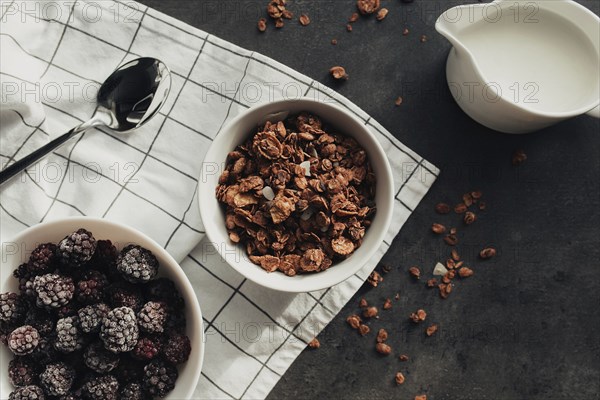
(130, 96)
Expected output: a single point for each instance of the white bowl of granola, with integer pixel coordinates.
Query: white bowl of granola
(296, 195)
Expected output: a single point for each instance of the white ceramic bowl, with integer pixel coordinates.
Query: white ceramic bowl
(235, 133)
(19, 248)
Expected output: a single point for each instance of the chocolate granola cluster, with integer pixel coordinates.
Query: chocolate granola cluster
(298, 196)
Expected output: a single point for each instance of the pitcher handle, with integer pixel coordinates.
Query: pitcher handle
(594, 112)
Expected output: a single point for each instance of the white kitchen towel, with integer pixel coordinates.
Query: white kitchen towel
(54, 55)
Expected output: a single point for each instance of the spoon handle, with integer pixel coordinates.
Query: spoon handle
(26, 161)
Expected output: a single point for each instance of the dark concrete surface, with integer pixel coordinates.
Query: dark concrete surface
(526, 325)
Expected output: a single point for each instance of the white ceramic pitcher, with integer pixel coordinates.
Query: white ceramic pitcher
(518, 66)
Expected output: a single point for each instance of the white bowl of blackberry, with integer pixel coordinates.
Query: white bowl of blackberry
(93, 309)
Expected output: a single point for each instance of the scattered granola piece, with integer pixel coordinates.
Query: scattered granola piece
(399, 378)
(353, 18)
(363, 303)
(432, 283)
(279, 23)
(423, 38)
(334, 41)
(418, 316)
(349, 27)
(397, 296)
(314, 344)
(338, 72)
(451, 239)
(482, 205)
(381, 14)
(438, 228)
(374, 279)
(465, 272)
(455, 255)
(398, 101)
(386, 268)
(383, 348)
(519, 157)
(469, 218)
(403, 357)
(415, 272)
(382, 335)
(445, 290)
(467, 199)
(421, 397)
(370, 312)
(367, 6)
(354, 321)
(387, 304)
(442, 208)
(460, 208)
(405, 32)
(363, 329)
(262, 24)
(431, 329)
(304, 20)
(488, 252)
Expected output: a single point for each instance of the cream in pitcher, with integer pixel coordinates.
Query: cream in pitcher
(518, 66)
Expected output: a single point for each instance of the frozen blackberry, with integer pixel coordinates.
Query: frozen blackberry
(76, 249)
(176, 322)
(177, 349)
(123, 294)
(152, 317)
(164, 289)
(90, 317)
(91, 287)
(42, 259)
(100, 360)
(105, 258)
(57, 379)
(44, 353)
(25, 279)
(132, 391)
(119, 330)
(53, 290)
(159, 378)
(129, 369)
(136, 264)
(23, 340)
(146, 349)
(102, 388)
(22, 371)
(30, 392)
(41, 320)
(12, 307)
(68, 337)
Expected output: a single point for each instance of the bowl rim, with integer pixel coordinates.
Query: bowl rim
(184, 282)
(260, 112)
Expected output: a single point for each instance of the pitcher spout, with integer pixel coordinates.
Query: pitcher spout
(455, 20)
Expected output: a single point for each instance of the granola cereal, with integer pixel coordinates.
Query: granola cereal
(383, 348)
(298, 196)
(368, 6)
(399, 378)
(339, 72)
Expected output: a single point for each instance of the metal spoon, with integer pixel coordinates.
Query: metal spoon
(128, 98)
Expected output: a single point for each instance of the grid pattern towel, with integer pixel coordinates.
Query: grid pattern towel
(54, 56)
